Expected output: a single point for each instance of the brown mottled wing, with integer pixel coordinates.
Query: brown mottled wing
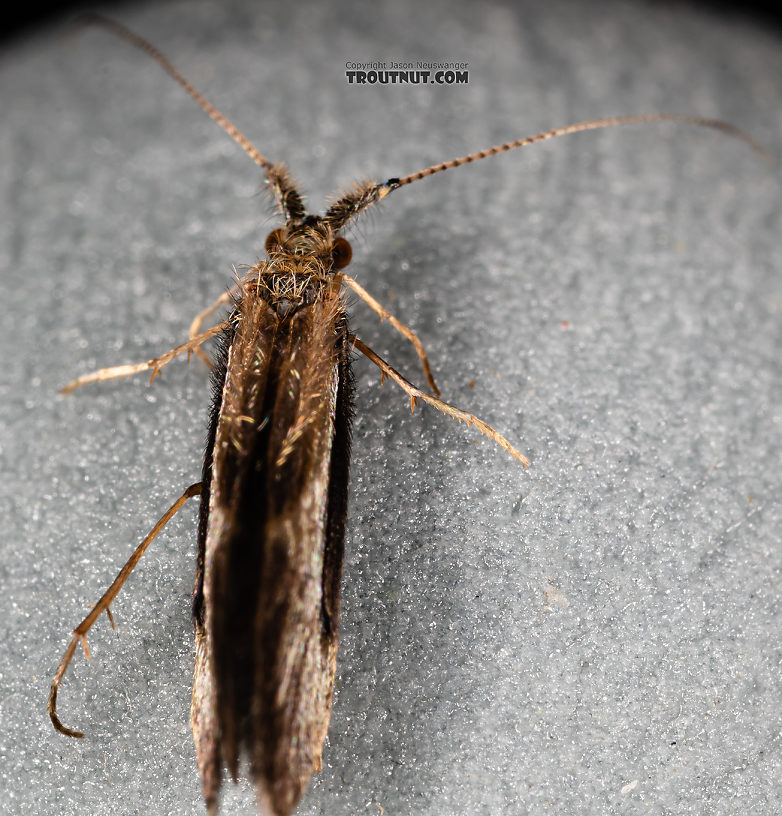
(266, 601)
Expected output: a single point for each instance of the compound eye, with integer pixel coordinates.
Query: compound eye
(341, 253)
(274, 240)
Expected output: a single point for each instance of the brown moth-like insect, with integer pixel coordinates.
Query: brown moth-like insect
(274, 482)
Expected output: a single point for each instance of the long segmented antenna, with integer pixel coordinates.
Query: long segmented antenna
(287, 197)
(362, 196)
(595, 124)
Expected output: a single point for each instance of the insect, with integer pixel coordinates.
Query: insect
(273, 489)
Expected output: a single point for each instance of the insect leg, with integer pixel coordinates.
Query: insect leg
(198, 320)
(80, 632)
(448, 410)
(155, 364)
(400, 327)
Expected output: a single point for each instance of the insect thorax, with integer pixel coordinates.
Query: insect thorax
(300, 266)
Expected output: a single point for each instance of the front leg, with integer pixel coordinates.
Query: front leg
(198, 321)
(157, 363)
(405, 331)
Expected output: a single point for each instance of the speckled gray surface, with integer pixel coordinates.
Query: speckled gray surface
(600, 634)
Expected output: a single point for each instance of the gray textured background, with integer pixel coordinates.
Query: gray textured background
(600, 634)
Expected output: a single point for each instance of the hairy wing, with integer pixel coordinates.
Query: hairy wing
(267, 594)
